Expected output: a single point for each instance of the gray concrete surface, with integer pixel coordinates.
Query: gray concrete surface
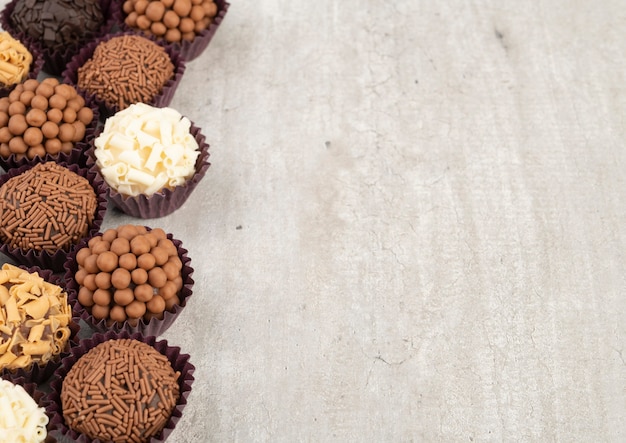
(413, 227)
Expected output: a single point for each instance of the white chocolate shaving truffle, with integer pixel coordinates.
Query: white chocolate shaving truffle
(21, 419)
(144, 149)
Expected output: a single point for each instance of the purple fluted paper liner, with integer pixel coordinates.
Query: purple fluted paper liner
(154, 326)
(35, 68)
(55, 261)
(164, 202)
(188, 50)
(56, 61)
(180, 363)
(77, 156)
(163, 99)
(41, 399)
(41, 373)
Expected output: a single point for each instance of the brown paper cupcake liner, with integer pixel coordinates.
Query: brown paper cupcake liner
(41, 373)
(164, 202)
(188, 50)
(55, 261)
(180, 362)
(77, 156)
(153, 327)
(55, 61)
(163, 99)
(35, 68)
(41, 399)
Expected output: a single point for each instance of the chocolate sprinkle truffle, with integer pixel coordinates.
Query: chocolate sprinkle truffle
(47, 207)
(121, 390)
(56, 24)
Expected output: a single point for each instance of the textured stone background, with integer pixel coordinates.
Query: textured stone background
(413, 227)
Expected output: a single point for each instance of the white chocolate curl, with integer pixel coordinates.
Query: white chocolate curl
(144, 149)
(21, 419)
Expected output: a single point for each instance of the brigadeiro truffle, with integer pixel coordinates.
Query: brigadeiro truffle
(45, 121)
(120, 387)
(186, 25)
(130, 278)
(23, 417)
(46, 209)
(21, 59)
(59, 26)
(122, 69)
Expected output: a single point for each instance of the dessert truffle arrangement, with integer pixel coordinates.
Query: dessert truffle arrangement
(85, 122)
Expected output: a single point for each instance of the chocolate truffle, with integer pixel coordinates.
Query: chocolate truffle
(56, 24)
(121, 390)
(22, 419)
(48, 207)
(15, 60)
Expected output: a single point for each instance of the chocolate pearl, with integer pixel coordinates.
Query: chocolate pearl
(81, 255)
(17, 145)
(128, 261)
(123, 296)
(107, 261)
(173, 35)
(93, 241)
(50, 81)
(152, 239)
(178, 281)
(176, 260)
(66, 147)
(45, 89)
(57, 101)
(168, 290)
(69, 115)
(171, 19)
(55, 115)
(159, 233)
(143, 22)
(168, 245)
(141, 230)
(171, 270)
(66, 132)
(103, 280)
(50, 130)
(79, 131)
(65, 91)
(158, 28)
(85, 297)
(146, 261)
(141, 6)
(120, 278)
(186, 25)
(30, 84)
(36, 117)
(100, 312)
(5, 151)
(131, 19)
(167, 3)
(156, 304)
(4, 119)
(199, 26)
(35, 151)
(139, 276)
(85, 115)
(182, 7)
(171, 302)
(160, 255)
(118, 314)
(143, 292)
(189, 36)
(5, 136)
(196, 13)
(4, 104)
(157, 277)
(128, 7)
(53, 146)
(155, 11)
(91, 265)
(17, 124)
(127, 231)
(79, 276)
(100, 246)
(110, 236)
(14, 96)
(33, 137)
(76, 103)
(17, 107)
(120, 246)
(136, 309)
(196, 2)
(139, 245)
(102, 297)
(210, 8)
(26, 97)
(90, 282)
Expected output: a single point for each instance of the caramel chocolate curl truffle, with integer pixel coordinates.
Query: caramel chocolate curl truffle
(58, 23)
(15, 60)
(126, 69)
(34, 319)
(48, 207)
(131, 387)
